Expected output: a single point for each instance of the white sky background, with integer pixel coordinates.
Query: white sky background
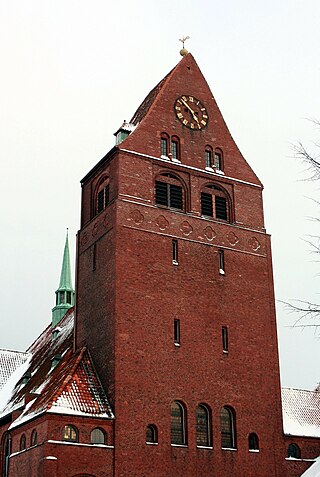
(72, 71)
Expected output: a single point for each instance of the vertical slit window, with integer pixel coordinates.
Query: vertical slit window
(203, 426)
(221, 262)
(208, 155)
(225, 344)
(178, 431)
(174, 149)
(176, 332)
(218, 160)
(94, 256)
(175, 252)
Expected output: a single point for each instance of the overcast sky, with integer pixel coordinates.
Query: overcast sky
(73, 70)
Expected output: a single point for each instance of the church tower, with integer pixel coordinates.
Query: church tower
(175, 296)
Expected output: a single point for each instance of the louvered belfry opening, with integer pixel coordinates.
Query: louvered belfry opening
(103, 196)
(214, 203)
(169, 192)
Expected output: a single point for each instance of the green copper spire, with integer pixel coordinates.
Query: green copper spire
(65, 292)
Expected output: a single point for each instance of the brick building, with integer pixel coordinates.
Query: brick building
(168, 364)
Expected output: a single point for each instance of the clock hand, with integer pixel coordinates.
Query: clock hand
(191, 110)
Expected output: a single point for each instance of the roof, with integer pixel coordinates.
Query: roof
(314, 470)
(301, 412)
(9, 362)
(71, 387)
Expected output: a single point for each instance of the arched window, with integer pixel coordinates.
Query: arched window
(102, 196)
(178, 424)
(253, 442)
(151, 434)
(175, 148)
(203, 427)
(70, 433)
(34, 438)
(227, 423)
(164, 145)
(215, 203)
(23, 442)
(294, 451)
(218, 159)
(209, 157)
(169, 192)
(98, 436)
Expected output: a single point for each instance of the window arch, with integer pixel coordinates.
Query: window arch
(228, 428)
(169, 192)
(178, 424)
(215, 203)
(34, 438)
(151, 434)
(23, 443)
(102, 196)
(253, 442)
(203, 426)
(98, 436)
(294, 451)
(164, 145)
(218, 159)
(70, 433)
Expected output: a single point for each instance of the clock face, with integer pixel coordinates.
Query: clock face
(191, 112)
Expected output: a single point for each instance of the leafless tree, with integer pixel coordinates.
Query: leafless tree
(308, 314)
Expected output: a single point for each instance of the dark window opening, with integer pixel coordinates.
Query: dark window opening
(175, 252)
(221, 262)
(294, 451)
(176, 331)
(208, 155)
(227, 423)
(214, 203)
(225, 344)
(253, 442)
(203, 426)
(23, 444)
(69, 297)
(34, 438)
(178, 434)
(169, 195)
(218, 160)
(151, 435)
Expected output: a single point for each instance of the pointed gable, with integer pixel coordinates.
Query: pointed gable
(157, 115)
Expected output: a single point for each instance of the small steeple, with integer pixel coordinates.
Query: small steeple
(65, 292)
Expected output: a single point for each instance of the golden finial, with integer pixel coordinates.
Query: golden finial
(183, 52)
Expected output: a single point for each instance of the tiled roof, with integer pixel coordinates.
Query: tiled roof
(301, 412)
(9, 362)
(72, 387)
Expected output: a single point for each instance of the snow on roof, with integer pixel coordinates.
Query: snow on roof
(301, 412)
(71, 387)
(9, 362)
(314, 470)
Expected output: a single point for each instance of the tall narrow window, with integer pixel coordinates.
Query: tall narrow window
(253, 442)
(218, 159)
(214, 203)
(208, 156)
(34, 438)
(221, 262)
(102, 198)
(169, 192)
(94, 256)
(175, 149)
(23, 442)
(151, 434)
(225, 344)
(203, 431)
(176, 332)
(178, 428)
(164, 145)
(227, 423)
(175, 252)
